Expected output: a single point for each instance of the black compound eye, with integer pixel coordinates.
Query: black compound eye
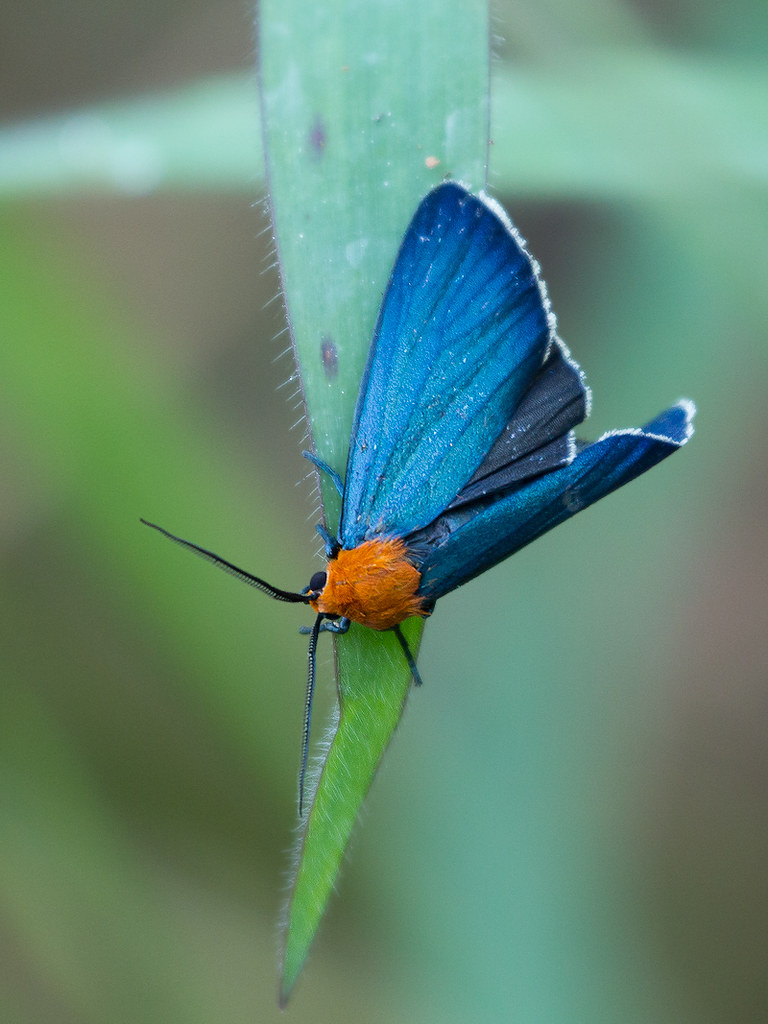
(317, 583)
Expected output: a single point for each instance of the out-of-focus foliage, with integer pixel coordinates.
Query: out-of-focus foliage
(572, 824)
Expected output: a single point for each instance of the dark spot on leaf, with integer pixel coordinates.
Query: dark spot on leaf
(317, 137)
(329, 357)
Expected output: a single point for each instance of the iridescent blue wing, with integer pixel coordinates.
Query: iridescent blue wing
(464, 542)
(539, 437)
(462, 332)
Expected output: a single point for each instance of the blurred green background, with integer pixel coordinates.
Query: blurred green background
(572, 825)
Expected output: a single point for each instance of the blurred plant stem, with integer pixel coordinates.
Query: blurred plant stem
(614, 132)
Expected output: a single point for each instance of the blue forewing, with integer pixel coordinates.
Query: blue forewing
(463, 439)
(463, 330)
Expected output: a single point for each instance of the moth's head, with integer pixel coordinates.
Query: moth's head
(317, 585)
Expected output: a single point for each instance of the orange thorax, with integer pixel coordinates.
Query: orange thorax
(373, 584)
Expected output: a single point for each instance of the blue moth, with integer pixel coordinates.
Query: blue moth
(463, 448)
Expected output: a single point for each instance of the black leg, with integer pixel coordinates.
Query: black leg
(408, 656)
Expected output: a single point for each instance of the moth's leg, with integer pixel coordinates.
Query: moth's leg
(331, 544)
(331, 473)
(408, 656)
(337, 626)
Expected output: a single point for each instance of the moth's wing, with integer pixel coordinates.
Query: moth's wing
(539, 437)
(462, 332)
(462, 543)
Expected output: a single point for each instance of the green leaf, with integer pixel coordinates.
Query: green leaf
(365, 107)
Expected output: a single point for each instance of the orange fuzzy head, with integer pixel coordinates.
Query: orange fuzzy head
(374, 584)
